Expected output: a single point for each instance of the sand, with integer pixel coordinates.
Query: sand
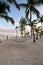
(21, 52)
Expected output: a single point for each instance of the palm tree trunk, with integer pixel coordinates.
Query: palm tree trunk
(41, 30)
(16, 33)
(33, 37)
(24, 32)
(37, 36)
(22, 35)
(31, 32)
(30, 21)
(41, 26)
(40, 35)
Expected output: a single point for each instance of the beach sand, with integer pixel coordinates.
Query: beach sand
(21, 52)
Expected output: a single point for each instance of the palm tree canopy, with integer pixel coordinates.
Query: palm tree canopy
(41, 19)
(37, 30)
(30, 5)
(32, 23)
(17, 27)
(4, 9)
(39, 1)
(22, 23)
(14, 2)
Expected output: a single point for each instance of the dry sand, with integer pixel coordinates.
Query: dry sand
(21, 52)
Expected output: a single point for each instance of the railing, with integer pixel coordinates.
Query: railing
(5, 37)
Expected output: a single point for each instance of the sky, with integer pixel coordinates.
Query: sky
(16, 15)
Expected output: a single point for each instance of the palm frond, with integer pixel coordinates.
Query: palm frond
(7, 18)
(39, 2)
(34, 21)
(27, 13)
(17, 6)
(22, 5)
(37, 22)
(4, 6)
(41, 18)
(22, 23)
(36, 11)
(10, 1)
(16, 27)
(14, 2)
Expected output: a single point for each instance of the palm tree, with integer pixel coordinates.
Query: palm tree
(22, 24)
(37, 31)
(16, 30)
(41, 20)
(26, 34)
(32, 24)
(21, 29)
(30, 7)
(4, 9)
(14, 2)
